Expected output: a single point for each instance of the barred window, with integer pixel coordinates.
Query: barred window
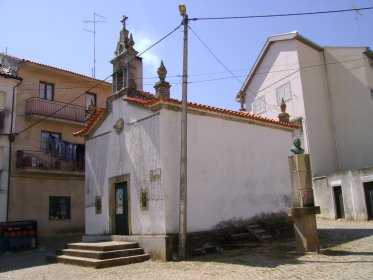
(283, 92)
(259, 105)
(59, 207)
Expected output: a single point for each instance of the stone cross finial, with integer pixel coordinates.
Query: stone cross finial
(123, 21)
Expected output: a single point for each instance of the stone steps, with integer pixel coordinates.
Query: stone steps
(100, 254)
(259, 233)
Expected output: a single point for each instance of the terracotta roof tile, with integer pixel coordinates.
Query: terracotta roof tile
(19, 60)
(146, 99)
(90, 122)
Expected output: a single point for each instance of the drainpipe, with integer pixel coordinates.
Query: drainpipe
(331, 111)
(11, 140)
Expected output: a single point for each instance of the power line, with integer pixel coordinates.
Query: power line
(283, 15)
(214, 55)
(203, 74)
(100, 82)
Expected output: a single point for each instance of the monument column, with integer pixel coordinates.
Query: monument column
(304, 210)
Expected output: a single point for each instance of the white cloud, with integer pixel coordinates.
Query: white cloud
(143, 42)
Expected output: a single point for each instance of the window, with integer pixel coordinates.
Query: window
(46, 139)
(90, 97)
(283, 92)
(98, 205)
(59, 207)
(259, 105)
(144, 200)
(46, 90)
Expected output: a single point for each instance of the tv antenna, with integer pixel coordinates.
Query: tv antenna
(358, 16)
(94, 21)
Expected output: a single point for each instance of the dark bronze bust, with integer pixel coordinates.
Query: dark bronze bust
(297, 149)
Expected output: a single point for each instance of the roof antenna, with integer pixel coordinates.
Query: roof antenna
(94, 21)
(358, 16)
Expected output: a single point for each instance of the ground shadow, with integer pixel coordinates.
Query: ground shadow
(284, 251)
(35, 257)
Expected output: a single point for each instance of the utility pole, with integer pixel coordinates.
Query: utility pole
(183, 156)
(94, 21)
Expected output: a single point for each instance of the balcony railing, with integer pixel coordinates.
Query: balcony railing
(47, 161)
(44, 107)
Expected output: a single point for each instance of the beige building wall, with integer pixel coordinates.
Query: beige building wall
(331, 92)
(318, 126)
(6, 92)
(30, 194)
(31, 187)
(350, 79)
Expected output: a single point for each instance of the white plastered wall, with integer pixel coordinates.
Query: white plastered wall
(235, 170)
(132, 153)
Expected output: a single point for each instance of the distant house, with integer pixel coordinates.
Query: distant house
(237, 162)
(47, 162)
(329, 91)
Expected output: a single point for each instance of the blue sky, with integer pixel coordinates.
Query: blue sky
(51, 32)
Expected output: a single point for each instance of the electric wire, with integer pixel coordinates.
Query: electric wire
(219, 60)
(99, 83)
(215, 56)
(178, 82)
(282, 15)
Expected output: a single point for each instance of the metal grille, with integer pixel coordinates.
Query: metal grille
(143, 146)
(96, 163)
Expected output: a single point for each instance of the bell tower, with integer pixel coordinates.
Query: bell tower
(127, 66)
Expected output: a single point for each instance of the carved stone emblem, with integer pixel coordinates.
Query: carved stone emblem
(119, 125)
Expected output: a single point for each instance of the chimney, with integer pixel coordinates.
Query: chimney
(162, 88)
(283, 116)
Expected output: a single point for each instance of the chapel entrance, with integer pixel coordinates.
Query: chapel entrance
(121, 209)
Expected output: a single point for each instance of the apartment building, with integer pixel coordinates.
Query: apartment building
(46, 180)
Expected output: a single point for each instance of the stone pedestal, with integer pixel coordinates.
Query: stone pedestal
(303, 211)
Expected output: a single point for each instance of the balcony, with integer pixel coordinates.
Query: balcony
(59, 110)
(45, 160)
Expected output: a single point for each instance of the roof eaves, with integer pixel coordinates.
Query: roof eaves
(205, 108)
(91, 123)
(10, 76)
(272, 39)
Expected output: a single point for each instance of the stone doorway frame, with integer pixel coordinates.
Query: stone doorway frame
(112, 181)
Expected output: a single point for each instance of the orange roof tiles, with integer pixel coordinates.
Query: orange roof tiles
(90, 122)
(146, 99)
(20, 60)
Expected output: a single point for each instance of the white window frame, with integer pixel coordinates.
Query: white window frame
(284, 92)
(260, 101)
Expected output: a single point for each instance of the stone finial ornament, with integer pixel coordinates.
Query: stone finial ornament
(297, 149)
(130, 43)
(162, 88)
(283, 116)
(162, 71)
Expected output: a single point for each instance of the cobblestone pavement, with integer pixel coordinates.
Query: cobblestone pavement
(347, 253)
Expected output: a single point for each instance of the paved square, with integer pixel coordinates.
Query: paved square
(347, 253)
